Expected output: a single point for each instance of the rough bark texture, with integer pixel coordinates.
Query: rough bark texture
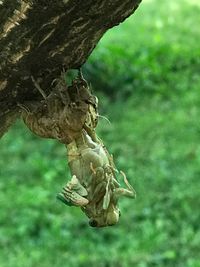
(40, 37)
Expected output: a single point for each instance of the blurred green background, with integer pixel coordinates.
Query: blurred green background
(146, 74)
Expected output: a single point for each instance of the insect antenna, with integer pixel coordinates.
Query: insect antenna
(103, 117)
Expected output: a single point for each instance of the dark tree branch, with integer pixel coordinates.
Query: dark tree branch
(40, 37)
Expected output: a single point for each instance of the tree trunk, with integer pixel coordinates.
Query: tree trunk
(38, 38)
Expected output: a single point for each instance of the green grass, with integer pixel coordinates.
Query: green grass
(148, 69)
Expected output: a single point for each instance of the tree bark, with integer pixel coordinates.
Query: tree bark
(39, 38)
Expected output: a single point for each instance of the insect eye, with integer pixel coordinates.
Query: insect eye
(119, 213)
(93, 223)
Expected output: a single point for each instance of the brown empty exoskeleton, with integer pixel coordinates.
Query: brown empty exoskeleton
(69, 114)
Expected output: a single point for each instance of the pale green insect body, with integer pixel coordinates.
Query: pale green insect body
(91, 164)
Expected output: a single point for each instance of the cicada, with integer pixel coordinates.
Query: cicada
(94, 186)
(70, 115)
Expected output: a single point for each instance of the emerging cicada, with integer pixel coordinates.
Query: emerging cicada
(70, 115)
(94, 186)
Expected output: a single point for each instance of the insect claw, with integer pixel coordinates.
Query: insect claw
(53, 82)
(80, 74)
(38, 87)
(23, 107)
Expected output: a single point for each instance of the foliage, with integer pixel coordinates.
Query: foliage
(149, 66)
(150, 53)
